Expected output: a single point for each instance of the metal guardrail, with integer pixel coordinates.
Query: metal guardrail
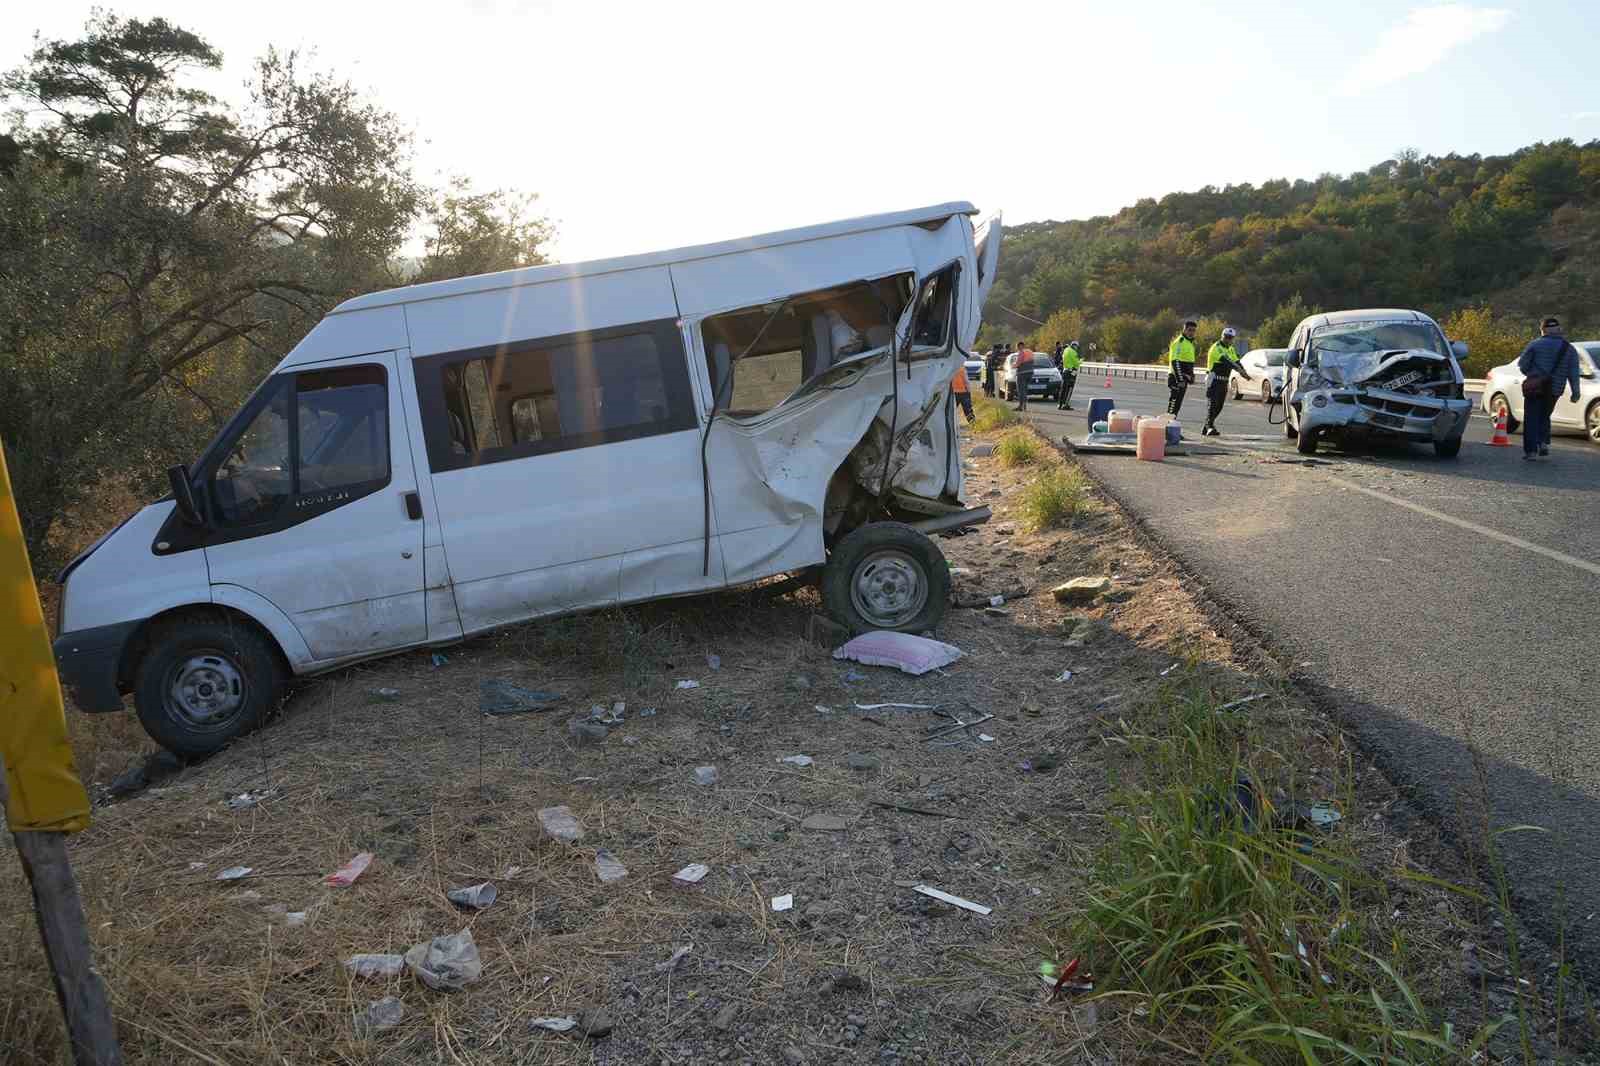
(1158, 372)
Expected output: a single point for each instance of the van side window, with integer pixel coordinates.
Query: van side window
(930, 325)
(320, 438)
(757, 356)
(554, 394)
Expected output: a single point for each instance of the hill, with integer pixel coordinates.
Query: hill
(1514, 233)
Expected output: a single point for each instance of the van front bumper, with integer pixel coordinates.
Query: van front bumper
(87, 661)
(1380, 412)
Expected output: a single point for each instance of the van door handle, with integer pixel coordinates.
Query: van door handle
(413, 506)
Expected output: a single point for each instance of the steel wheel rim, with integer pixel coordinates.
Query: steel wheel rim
(1266, 392)
(888, 589)
(205, 692)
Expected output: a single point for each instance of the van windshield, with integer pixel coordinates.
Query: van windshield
(1350, 337)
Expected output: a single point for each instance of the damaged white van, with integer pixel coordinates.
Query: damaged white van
(436, 461)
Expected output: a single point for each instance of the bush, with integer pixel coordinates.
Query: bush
(989, 415)
(1279, 326)
(1053, 499)
(1490, 340)
(1017, 448)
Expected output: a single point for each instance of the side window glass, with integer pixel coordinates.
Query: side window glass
(930, 326)
(255, 479)
(342, 419)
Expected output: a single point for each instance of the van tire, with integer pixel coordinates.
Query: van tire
(187, 661)
(916, 577)
(1306, 442)
(1447, 449)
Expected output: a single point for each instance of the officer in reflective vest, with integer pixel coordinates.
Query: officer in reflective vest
(1070, 361)
(1180, 356)
(1222, 364)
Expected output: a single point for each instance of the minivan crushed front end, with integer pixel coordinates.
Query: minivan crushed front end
(1412, 394)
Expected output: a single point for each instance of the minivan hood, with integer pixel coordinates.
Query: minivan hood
(1354, 368)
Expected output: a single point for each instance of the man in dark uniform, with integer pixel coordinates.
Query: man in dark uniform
(1180, 357)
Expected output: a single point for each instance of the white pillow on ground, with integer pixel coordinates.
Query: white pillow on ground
(903, 651)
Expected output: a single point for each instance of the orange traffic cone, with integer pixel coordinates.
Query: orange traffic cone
(1108, 377)
(1500, 440)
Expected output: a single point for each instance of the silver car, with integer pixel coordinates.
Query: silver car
(1502, 389)
(1268, 368)
(1044, 385)
(1378, 373)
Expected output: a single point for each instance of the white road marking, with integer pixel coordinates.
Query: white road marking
(1484, 531)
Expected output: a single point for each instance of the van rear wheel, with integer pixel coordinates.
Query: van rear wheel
(886, 575)
(204, 682)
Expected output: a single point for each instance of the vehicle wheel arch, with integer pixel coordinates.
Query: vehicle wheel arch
(1591, 421)
(139, 641)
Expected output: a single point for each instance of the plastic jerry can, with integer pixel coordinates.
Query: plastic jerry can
(1120, 421)
(1152, 441)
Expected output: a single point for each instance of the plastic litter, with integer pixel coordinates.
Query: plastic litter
(385, 1013)
(385, 695)
(559, 823)
(954, 901)
(706, 775)
(497, 697)
(647, 712)
(853, 677)
(233, 873)
(1065, 675)
(714, 661)
(245, 800)
(672, 963)
(375, 965)
(608, 716)
(783, 902)
(905, 652)
(688, 682)
(823, 709)
(1169, 669)
(798, 760)
(691, 874)
(986, 738)
(1241, 702)
(901, 706)
(294, 918)
(347, 874)
(476, 897)
(1323, 815)
(607, 866)
(439, 659)
(446, 963)
(554, 1025)
(997, 601)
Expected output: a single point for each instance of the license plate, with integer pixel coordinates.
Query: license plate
(1403, 380)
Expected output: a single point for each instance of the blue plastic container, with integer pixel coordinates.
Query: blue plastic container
(1099, 409)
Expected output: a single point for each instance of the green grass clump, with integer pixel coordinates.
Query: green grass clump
(989, 415)
(1053, 498)
(1017, 448)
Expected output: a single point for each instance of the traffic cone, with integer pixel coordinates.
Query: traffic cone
(1500, 440)
(1108, 377)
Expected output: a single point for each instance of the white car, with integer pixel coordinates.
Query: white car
(1502, 388)
(1044, 385)
(1268, 368)
(974, 368)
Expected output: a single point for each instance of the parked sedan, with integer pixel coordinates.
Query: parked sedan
(974, 368)
(1045, 383)
(1267, 367)
(1502, 389)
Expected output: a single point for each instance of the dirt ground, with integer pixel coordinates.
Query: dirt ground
(860, 969)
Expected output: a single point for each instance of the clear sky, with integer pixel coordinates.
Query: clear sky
(647, 125)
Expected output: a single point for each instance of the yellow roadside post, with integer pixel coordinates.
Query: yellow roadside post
(44, 799)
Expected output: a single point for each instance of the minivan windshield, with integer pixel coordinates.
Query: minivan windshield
(1350, 337)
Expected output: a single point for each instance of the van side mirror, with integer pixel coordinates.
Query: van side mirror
(1459, 348)
(183, 494)
(1294, 358)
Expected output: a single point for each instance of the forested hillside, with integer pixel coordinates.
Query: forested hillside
(1514, 234)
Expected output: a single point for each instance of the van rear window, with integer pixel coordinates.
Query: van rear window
(554, 394)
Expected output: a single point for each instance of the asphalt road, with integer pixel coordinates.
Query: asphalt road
(1444, 610)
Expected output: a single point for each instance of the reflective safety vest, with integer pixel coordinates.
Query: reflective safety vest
(1070, 359)
(958, 383)
(1181, 350)
(1224, 352)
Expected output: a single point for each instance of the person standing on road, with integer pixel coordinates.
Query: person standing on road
(1069, 363)
(1222, 363)
(1024, 374)
(958, 389)
(1547, 363)
(1180, 356)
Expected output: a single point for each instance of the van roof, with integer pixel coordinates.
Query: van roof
(506, 279)
(1370, 314)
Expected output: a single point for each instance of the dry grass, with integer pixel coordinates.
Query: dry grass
(1054, 498)
(1019, 447)
(990, 414)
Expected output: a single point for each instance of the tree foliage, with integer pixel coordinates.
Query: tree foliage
(163, 249)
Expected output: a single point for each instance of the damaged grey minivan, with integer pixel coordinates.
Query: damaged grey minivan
(1381, 374)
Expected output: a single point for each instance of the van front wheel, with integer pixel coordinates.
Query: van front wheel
(886, 575)
(204, 682)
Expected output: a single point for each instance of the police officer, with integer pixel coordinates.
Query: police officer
(1180, 356)
(1070, 361)
(1223, 362)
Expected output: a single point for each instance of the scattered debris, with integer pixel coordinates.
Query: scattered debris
(197, 866)
(801, 761)
(825, 823)
(1169, 669)
(986, 738)
(475, 897)
(294, 919)
(245, 800)
(783, 902)
(691, 874)
(446, 963)
(381, 1014)
(997, 601)
(959, 724)
(997, 612)
(905, 652)
(688, 682)
(607, 866)
(954, 901)
(897, 706)
(714, 661)
(347, 874)
(1081, 590)
(1242, 702)
(672, 963)
(587, 730)
(822, 709)
(439, 659)
(1065, 675)
(629, 740)
(609, 716)
(385, 695)
(706, 775)
(559, 823)
(375, 965)
(554, 1025)
(913, 810)
(233, 873)
(497, 696)
(853, 677)
(1323, 815)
